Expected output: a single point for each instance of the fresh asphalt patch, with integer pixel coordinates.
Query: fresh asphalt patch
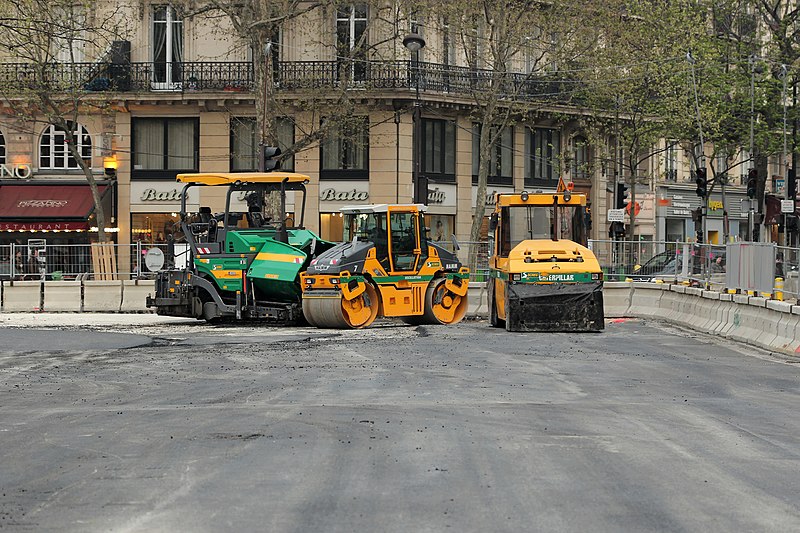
(204, 340)
(26, 340)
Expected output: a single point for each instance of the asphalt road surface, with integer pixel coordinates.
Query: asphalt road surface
(188, 427)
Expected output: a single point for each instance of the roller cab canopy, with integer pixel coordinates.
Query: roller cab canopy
(232, 178)
(379, 208)
(539, 198)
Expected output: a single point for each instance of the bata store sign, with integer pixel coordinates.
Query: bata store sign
(491, 191)
(156, 196)
(442, 198)
(334, 195)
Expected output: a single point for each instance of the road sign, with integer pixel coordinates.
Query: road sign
(787, 206)
(616, 215)
(636, 209)
(154, 259)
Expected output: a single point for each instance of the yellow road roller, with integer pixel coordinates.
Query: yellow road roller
(542, 275)
(386, 267)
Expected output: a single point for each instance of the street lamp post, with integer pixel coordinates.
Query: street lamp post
(785, 159)
(414, 43)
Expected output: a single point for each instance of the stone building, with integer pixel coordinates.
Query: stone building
(179, 95)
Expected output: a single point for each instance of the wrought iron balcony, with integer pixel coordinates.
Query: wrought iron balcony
(233, 76)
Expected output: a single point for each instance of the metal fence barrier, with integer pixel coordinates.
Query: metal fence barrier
(756, 268)
(37, 260)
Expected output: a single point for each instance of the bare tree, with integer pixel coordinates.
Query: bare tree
(325, 93)
(49, 40)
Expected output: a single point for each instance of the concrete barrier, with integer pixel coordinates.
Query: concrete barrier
(769, 324)
(103, 296)
(62, 296)
(22, 296)
(134, 293)
(617, 299)
(753, 320)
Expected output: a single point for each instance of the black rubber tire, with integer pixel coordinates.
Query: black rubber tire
(493, 320)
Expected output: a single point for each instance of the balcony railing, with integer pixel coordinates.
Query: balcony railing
(233, 76)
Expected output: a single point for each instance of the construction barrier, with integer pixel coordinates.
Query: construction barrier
(769, 324)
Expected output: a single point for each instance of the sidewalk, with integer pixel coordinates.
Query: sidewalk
(53, 320)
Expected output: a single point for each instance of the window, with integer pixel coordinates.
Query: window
(245, 141)
(440, 226)
(542, 156)
(345, 151)
(403, 228)
(167, 45)
(448, 45)
(54, 152)
(501, 155)
(532, 48)
(69, 42)
(473, 46)
(439, 142)
(671, 161)
(275, 38)
(351, 25)
(721, 164)
(746, 164)
(164, 147)
(153, 228)
(697, 156)
(580, 158)
(2, 149)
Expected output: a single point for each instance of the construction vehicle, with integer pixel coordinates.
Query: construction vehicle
(386, 268)
(542, 275)
(242, 265)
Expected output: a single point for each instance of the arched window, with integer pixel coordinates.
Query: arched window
(2, 149)
(54, 152)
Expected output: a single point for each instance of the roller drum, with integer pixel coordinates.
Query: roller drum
(328, 309)
(442, 306)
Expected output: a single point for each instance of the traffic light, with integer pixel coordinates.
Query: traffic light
(622, 198)
(697, 218)
(701, 178)
(792, 223)
(617, 230)
(791, 185)
(270, 155)
(752, 177)
(587, 219)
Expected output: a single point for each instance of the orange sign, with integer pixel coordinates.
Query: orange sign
(636, 209)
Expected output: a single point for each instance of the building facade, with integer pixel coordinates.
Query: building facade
(179, 95)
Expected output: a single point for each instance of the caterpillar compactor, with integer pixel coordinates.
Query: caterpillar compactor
(242, 265)
(542, 275)
(386, 268)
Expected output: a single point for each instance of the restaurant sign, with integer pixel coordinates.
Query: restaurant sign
(17, 171)
(42, 203)
(43, 226)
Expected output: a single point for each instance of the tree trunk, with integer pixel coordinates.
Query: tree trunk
(265, 114)
(484, 151)
(99, 212)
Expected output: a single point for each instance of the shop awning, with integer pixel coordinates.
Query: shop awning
(46, 206)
